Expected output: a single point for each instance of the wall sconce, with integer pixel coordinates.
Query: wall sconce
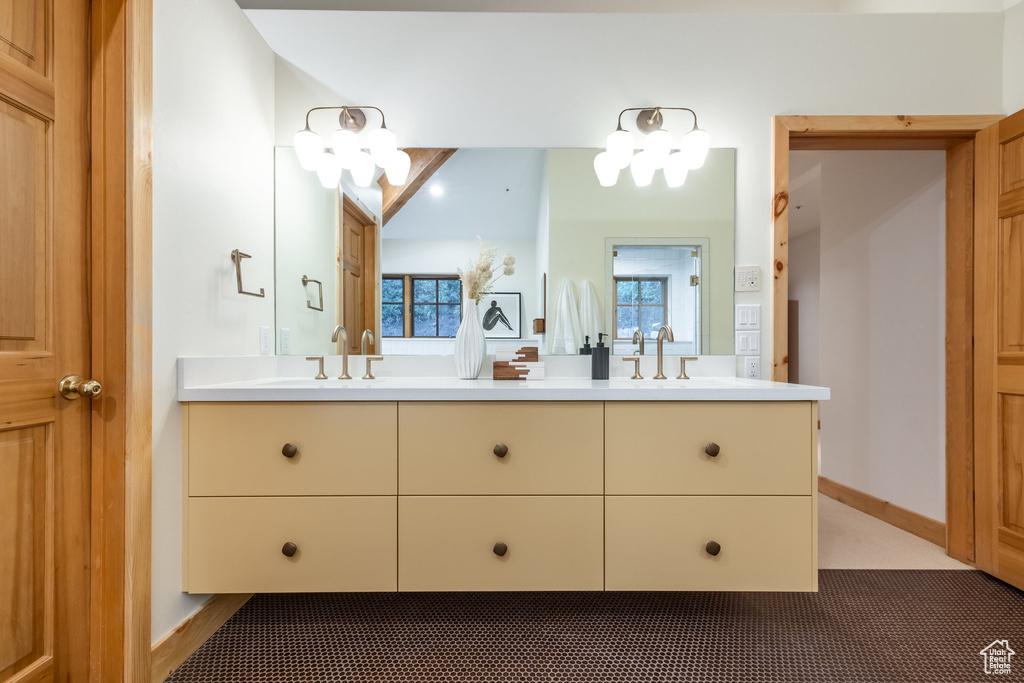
(656, 152)
(347, 150)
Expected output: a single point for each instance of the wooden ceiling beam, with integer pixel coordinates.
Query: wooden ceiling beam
(424, 163)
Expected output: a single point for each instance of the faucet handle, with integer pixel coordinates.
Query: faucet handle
(370, 359)
(320, 374)
(636, 368)
(682, 366)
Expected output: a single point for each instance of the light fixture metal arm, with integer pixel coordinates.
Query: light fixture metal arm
(656, 110)
(348, 106)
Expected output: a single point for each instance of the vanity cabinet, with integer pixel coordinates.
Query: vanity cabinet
(496, 495)
(322, 477)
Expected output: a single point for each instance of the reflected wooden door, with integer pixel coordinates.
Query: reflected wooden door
(999, 349)
(44, 335)
(358, 260)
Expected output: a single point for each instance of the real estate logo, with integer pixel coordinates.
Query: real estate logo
(997, 657)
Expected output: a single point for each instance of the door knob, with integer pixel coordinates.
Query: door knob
(73, 386)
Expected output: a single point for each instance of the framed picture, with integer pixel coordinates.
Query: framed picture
(501, 315)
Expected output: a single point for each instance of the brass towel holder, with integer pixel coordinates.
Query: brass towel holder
(236, 258)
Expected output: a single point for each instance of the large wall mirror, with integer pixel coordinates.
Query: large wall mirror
(384, 259)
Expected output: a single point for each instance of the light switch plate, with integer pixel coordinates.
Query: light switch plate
(752, 367)
(748, 278)
(748, 344)
(748, 317)
(265, 344)
(286, 341)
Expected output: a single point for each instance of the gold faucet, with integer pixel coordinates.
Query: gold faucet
(664, 333)
(639, 338)
(340, 331)
(363, 341)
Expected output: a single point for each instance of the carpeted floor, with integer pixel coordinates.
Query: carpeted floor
(863, 625)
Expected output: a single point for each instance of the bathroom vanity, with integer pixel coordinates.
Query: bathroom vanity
(437, 484)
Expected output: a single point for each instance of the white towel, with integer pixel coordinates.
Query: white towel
(590, 314)
(566, 339)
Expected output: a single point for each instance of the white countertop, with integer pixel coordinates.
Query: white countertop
(453, 389)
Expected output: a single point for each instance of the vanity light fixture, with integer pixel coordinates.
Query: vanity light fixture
(656, 150)
(361, 155)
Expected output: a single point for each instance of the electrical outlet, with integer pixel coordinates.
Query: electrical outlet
(752, 367)
(748, 317)
(286, 341)
(748, 278)
(265, 344)
(748, 343)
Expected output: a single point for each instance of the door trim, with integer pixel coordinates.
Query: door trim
(955, 135)
(121, 299)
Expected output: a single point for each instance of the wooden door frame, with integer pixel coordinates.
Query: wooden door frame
(954, 135)
(121, 331)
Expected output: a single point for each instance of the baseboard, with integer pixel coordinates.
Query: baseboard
(178, 645)
(902, 518)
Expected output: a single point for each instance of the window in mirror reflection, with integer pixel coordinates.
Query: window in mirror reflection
(434, 303)
(655, 285)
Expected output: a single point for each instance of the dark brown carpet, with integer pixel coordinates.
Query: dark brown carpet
(886, 626)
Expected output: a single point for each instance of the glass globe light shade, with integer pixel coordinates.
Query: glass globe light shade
(397, 168)
(329, 170)
(657, 144)
(308, 148)
(694, 147)
(362, 169)
(675, 170)
(383, 143)
(642, 168)
(620, 148)
(606, 168)
(346, 145)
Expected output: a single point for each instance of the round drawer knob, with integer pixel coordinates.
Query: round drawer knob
(500, 450)
(289, 549)
(289, 450)
(712, 449)
(500, 549)
(713, 548)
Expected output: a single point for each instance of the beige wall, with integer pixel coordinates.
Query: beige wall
(583, 214)
(882, 318)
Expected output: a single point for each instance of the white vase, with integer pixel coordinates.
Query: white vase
(470, 343)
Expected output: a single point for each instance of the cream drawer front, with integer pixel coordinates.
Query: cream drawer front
(659, 448)
(659, 543)
(553, 543)
(343, 544)
(553, 448)
(235, 449)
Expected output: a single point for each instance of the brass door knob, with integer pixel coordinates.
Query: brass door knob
(500, 549)
(712, 449)
(289, 549)
(73, 386)
(500, 450)
(289, 450)
(713, 548)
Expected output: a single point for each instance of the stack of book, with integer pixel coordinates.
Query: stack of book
(522, 363)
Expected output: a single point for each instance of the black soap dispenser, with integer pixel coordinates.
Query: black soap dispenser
(586, 349)
(600, 359)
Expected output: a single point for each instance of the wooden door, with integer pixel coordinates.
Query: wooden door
(44, 335)
(358, 246)
(999, 349)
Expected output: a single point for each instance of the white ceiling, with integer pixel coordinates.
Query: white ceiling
(647, 6)
(493, 193)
